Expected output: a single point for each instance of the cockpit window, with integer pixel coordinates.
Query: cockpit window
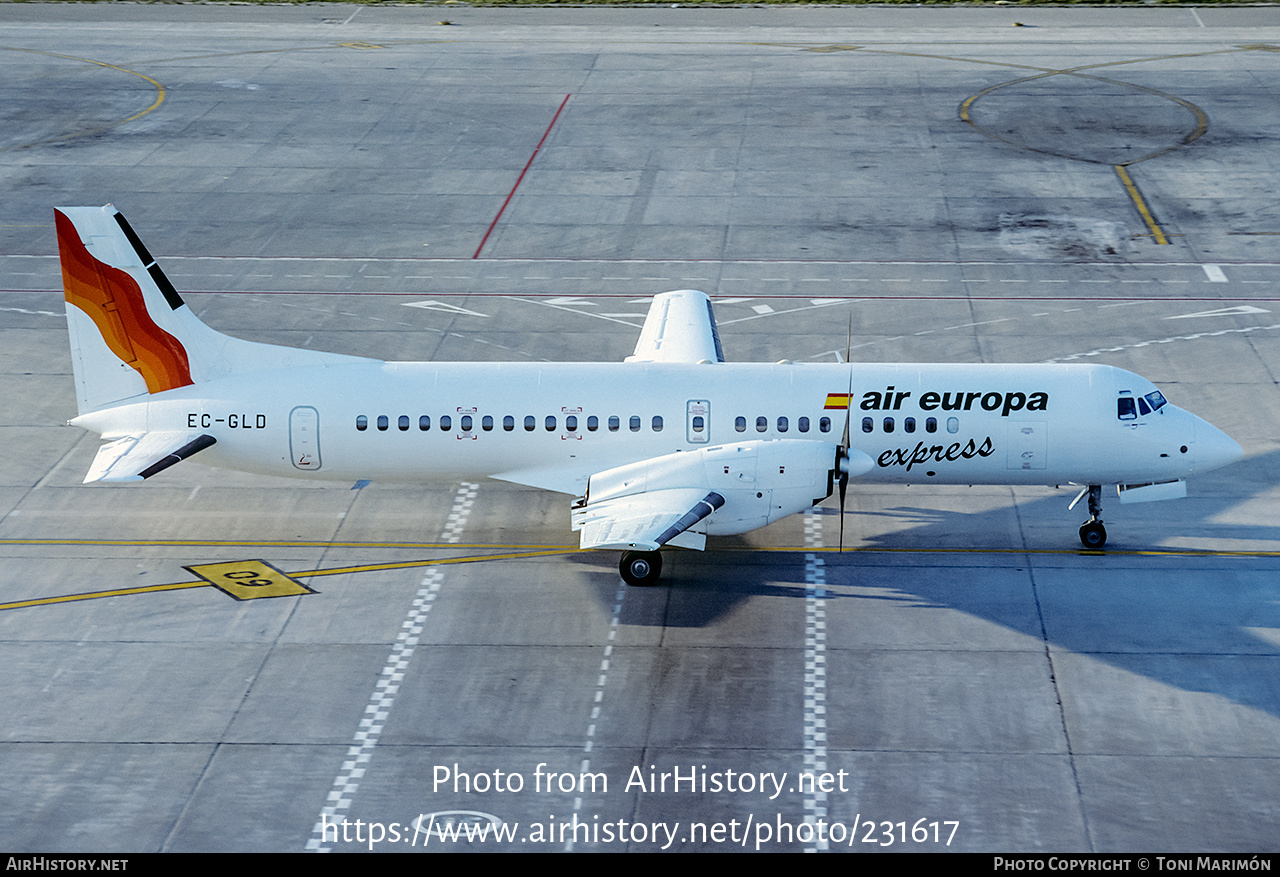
(1129, 408)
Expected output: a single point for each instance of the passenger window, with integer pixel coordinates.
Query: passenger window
(699, 423)
(740, 424)
(803, 424)
(634, 423)
(868, 424)
(614, 423)
(362, 423)
(888, 424)
(529, 423)
(508, 423)
(762, 424)
(909, 424)
(383, 423)
(551, 423)
(571, 423)
(466, 423)
(403, 422)
(424, 423)
(953, 425)
(1125, 409)
(593, 423)
(657, 423)
(446, 422)
(486, 423)
(931, 424)
(783, 424)
(824, 425)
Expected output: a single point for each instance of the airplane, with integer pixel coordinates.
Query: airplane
(670, 446)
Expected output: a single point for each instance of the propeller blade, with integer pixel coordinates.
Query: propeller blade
(844, 488)
(844, 440)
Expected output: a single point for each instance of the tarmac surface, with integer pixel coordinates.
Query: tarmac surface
(969, 185)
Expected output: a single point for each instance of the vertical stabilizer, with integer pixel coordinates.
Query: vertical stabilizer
(131, 333)
(118, 348)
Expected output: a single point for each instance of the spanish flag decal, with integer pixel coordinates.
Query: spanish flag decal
(838, 401)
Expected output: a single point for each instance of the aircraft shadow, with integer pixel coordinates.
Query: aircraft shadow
(1161, 616)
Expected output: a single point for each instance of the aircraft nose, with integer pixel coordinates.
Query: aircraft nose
(1214, 447)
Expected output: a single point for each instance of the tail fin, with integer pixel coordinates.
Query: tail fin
(131, 333)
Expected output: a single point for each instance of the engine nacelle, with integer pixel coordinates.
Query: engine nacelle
(761, 481)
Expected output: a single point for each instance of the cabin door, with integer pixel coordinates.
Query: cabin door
(304, 437)
(698, 422)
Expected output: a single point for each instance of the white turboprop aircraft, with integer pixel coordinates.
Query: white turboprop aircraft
(666, 448)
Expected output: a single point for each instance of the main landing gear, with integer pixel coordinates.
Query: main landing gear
(1092, 534)
(640, 568)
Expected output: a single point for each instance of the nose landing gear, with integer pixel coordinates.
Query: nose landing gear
(1092, 534)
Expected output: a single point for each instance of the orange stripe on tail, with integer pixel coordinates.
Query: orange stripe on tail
(114, 301)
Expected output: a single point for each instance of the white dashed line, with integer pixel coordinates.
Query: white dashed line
(360, 753)
(1171, 340)
(597, 698)
(815, 676)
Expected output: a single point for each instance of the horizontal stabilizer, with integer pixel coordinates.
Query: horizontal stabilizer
(134, 458)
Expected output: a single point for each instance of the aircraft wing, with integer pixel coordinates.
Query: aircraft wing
(646, 521)
(136, 457)
(680, 327)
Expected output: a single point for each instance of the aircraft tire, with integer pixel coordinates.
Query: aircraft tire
(1093, 535)
(640, 568)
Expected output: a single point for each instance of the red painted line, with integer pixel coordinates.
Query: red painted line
(620, 295)
(484, 240)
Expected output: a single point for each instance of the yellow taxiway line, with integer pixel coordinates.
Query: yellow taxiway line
(541, 551)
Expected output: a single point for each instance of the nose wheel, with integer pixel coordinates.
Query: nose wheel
(1093, 535)
(640, 568)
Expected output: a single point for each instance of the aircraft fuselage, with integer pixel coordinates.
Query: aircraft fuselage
(554, 424)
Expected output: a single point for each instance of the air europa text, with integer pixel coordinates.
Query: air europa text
(1005, 403)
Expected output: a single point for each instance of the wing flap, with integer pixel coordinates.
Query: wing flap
(646, 521)
(136, 457)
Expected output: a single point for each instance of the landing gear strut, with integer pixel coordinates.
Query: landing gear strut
(1092, 534)
(640, 568)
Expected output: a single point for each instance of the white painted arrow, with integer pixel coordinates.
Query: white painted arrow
(441, 306)
(1223, 312)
